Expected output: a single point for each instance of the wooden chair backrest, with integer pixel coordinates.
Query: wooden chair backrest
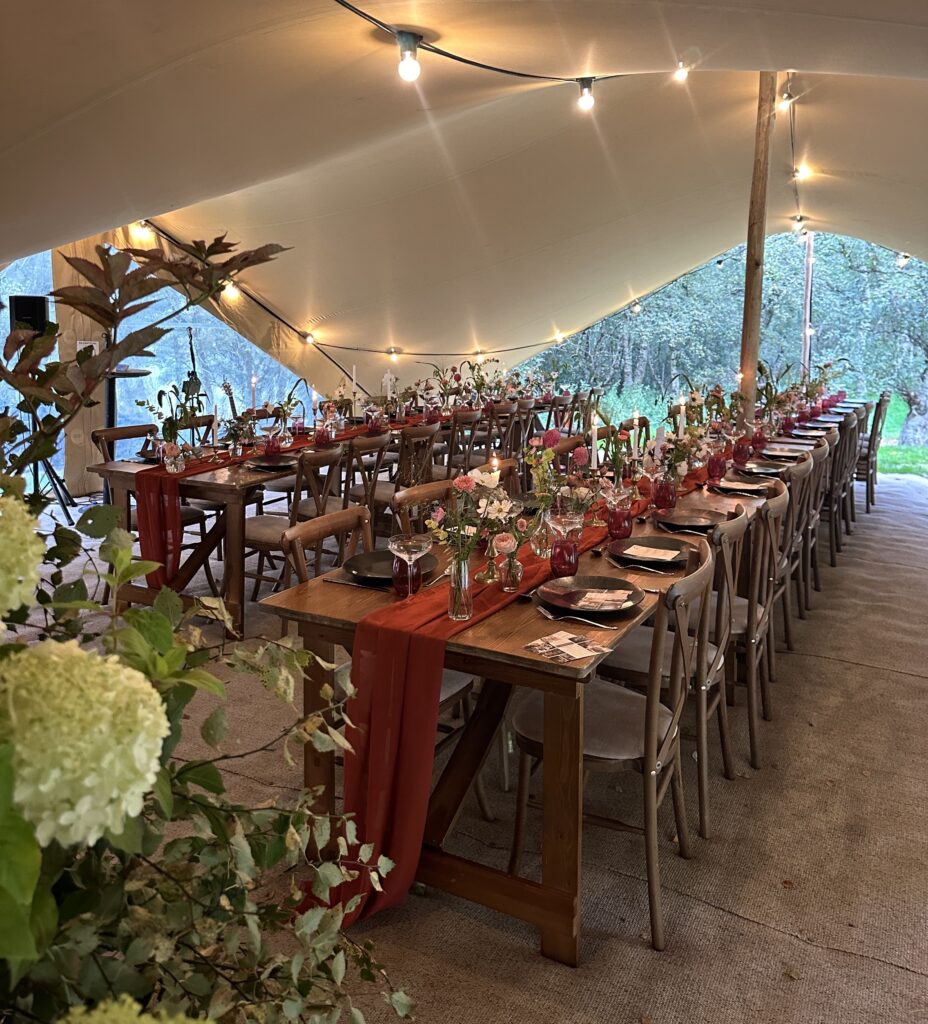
(412, 504)
(524, 429)
(464, 427)
(317, 474)
(415, 462)
(819, 454)
(508, 475)
(199, 429)
(727, 543)
(879, 420)
(644, 428)
(799, 479)
(765, 555)
(558, 409)
(500, 425)
(105, 438)
(688, 651)
(364, 461)
(563, 449)
(355, 522)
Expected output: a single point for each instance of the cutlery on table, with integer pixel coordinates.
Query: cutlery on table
(573, 618)
(348, 583)
(439, 577)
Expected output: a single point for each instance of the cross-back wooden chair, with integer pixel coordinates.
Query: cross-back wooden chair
(644, 428)
(591, 410)
(624, 730)
(501, 421)
(412, 505)
(867, 456)
(754, 644)
(465, 428)
(414, 466)
(840, 483)
(820, 456)
(576, 413)
(363, 463)
(791, 565)
(525, 424)
(350, 526)
(563, 449)
(558, 413)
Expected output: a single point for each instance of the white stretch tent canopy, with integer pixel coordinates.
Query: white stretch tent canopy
(470, 209)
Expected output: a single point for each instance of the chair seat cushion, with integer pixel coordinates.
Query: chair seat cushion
(283, 486)
(633, 655)
(613, 722)
(454, 685)
(307, 507)
(381, 493)
(739, 624)
(265, 531)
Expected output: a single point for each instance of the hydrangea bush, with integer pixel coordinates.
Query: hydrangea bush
(132, 889)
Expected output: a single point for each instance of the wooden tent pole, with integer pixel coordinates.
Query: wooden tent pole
(757, 225)
(807, 305)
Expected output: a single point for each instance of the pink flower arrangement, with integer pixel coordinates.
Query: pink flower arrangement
(551, 438)
(464, 483)
(438, 514)
(505, 543)
(581, 456)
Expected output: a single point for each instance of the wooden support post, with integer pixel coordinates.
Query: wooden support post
(757, 226)
(807, 305)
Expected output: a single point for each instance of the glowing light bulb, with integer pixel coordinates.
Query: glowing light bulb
(636, 307)
(586, 99)
(230, 290)
(393, 355)
(480, 358)
(142, 232)
(803, 172)
(797, 222)
(786, 101)
(682, 72)
(408, 67)
(309, 338)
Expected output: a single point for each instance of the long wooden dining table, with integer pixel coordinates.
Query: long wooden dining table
(494, 649)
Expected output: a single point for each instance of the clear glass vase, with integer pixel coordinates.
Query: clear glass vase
(460, 598)
(174, 463)
(541, 539)
(510, 574)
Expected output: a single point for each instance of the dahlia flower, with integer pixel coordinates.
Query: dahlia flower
(21, 553)
(87, 734)
(123, 1011)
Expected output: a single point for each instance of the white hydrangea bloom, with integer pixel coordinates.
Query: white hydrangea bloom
(489, 479)
(21, 553)
(87, 734)
(122, 1011)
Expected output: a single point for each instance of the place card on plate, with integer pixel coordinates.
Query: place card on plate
(601, 600)
(652, 554)
(741, 485)
(564, 647)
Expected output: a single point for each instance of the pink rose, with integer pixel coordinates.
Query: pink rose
(464, 483)
(171, 450)
(457, 378)
(438, 514)
(505, 543)
(535, 442)
(521, 525)
(551, 438)
(581, 456)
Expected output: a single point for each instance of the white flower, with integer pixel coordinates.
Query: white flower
(489, 480)
(582, 493)
(683, 468)
(21, 553)
(125, 1011)
(87, 734)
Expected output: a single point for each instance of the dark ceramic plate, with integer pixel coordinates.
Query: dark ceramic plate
(701, 519)
(590, 595)
(618, 548)
(766, 468)
(272, 463)
(377, 566)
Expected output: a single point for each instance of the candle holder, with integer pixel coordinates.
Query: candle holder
(354, 402)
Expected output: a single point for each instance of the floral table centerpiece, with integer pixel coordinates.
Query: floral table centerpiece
(478, 510)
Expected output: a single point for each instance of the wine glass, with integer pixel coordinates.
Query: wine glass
(565, 554)
(407, 550)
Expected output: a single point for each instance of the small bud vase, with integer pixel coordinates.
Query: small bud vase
(510, 574)
(460, 598)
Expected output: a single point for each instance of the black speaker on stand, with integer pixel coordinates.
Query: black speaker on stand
(31, 312)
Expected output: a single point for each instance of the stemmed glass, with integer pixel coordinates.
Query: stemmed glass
(565, 554)
(407, 550)
(270, 437)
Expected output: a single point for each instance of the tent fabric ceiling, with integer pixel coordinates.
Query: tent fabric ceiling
(470, 209)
